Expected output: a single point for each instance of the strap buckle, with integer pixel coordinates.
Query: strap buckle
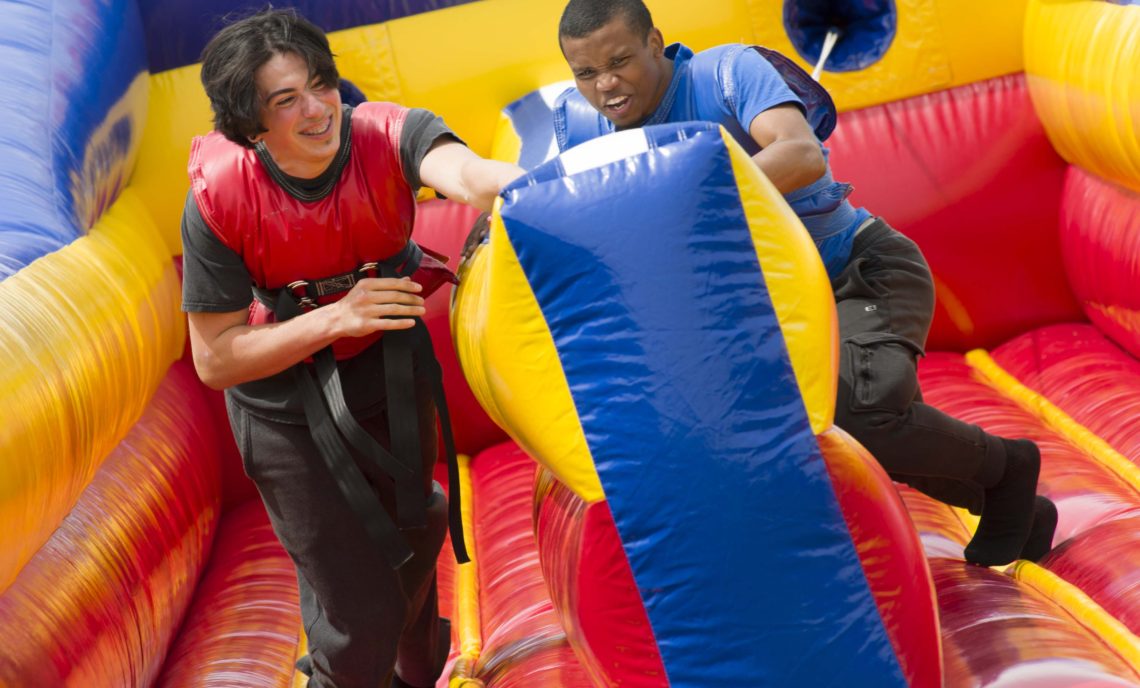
(300, 291)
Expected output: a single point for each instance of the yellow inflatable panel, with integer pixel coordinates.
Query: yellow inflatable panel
(798, 284)
(488, 63)
(508, 356)
(178, 111)
(938, 44)
(90, 331)
(1082, 60)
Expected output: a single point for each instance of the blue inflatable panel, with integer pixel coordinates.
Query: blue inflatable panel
(177, 30)
(532, 117)
(66, 67)
(645, 272)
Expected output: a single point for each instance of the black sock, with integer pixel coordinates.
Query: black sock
(1007, 515)
(1041, 534)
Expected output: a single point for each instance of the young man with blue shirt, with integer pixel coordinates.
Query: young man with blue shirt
(626, 77)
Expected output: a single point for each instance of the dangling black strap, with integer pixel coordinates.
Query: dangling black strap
(425, 354)
(350, 481)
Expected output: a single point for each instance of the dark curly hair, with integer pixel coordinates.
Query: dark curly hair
(232, 57)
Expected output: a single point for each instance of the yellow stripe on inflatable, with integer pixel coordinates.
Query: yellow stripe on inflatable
(1081, 607)
(506, 145)
(1083, 61)
(508, 356)
(797, 283)
(1056, 419)
(91, 329)
(938, 44)
(178, 111)
(468, 615)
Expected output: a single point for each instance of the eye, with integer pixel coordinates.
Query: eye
(285, 102)
(619, 61)
(318, 85)
(584, 74)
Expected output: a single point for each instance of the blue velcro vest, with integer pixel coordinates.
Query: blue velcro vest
(708, 96)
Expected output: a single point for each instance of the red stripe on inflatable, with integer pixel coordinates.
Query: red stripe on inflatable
(893, 560)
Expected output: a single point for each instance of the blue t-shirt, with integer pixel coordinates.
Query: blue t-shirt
(730, 85)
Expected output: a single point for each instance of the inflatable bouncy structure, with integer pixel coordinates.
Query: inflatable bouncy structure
(656, 493)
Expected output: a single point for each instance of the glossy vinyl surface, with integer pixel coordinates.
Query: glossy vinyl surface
(103, 598)
(523, 644)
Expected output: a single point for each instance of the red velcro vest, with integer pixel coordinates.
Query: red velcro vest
(368, 215)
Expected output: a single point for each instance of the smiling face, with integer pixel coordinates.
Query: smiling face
(623, 75)
(302, 116)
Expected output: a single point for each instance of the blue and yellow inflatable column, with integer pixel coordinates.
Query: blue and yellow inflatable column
(653, 325)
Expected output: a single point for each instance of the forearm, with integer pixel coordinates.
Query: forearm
(483, 179)
(792, 164)
(243, 353)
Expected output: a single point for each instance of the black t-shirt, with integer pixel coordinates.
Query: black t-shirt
(215, 280)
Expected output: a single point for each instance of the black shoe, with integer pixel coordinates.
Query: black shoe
(1040, 540)
(1007, 514)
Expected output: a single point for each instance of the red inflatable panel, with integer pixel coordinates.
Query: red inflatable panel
(1089, 377)
(969, 174)
(998, 633)
(942, 533)
(243, 627)
(523, 644)
(1104, 562)
(593, 588)
(892, 556)
(1100, 235)
(103, 598)
(442, 226)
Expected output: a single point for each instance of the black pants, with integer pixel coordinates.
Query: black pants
(885, 299)
(363, 620)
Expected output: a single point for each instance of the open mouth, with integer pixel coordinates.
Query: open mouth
(319, 130)
(617, 105)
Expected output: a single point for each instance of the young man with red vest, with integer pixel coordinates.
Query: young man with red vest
(627, 77)
(330, 383)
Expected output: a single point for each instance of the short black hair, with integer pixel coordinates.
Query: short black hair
(583, 17)
(232, 57)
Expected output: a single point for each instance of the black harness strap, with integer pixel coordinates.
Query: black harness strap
(351, 482)
(401, 350)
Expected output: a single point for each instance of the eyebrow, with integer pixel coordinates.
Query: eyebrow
(278, 92)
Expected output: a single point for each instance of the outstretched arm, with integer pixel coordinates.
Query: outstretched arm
(790, 154)
(452, 169)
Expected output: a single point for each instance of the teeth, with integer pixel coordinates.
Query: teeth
(616, 101)
(319, 129)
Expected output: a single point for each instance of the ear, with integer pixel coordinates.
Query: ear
(656, 42)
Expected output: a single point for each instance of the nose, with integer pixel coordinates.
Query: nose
(311, 105)
(607, 81)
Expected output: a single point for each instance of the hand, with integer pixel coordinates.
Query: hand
(374, 304)
(479, 231)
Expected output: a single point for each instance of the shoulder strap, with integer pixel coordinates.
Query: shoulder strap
(818, 105)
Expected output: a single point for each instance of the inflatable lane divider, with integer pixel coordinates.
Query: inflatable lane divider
(468, 619)
(1054, 417)
(1114, 634)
